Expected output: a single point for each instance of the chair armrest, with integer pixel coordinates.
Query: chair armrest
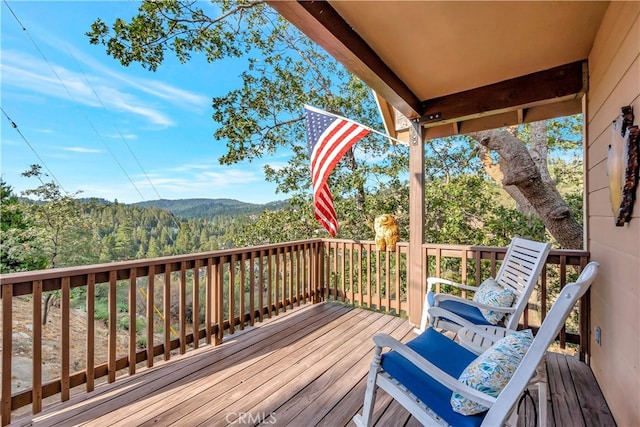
(442, 297)
(433, 280)
(383, 340)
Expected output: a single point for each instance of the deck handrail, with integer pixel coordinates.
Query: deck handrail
(235, 288)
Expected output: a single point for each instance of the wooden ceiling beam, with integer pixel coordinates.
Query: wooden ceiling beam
(321, 23)
(557, 84)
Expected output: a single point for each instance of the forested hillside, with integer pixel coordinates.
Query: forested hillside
(62, 231)
(210, 208)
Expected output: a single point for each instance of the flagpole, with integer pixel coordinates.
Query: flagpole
(359, 124)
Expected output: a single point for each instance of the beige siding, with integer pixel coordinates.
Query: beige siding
(614, 81)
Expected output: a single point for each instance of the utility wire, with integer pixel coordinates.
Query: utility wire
(124, 140)
(88, 120)
(173, 219)
(40, 159)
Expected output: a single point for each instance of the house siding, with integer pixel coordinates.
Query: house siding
(614, 81)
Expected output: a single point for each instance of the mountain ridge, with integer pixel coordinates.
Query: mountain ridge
(208, 208)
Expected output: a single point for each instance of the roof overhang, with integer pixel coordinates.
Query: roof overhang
(458, 67)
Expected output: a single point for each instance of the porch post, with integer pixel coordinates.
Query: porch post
(415, 291)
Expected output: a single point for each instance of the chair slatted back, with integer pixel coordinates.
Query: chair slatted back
(519, 272)
(547, 333)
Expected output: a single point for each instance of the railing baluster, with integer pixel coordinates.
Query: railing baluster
(369, 278)
(269, 261)
(167, 311)
(36, 382)
(563, 282)
(65, 340)
(209, 299)
(350, 296)
(290, 274)
(113, 312)
(252, 289)
(300, 274)
(543, 294)
(397, 282)
(91, 336)
(243, 309)
(464, 262)
(232, 293)
(219, 293)
(276, 264)
(359, 293)
(378, 302)
(195, 304)
(387, 286)
(343, 272)
(133, 282)
(151, 279)
(261, 258)
(182, 307)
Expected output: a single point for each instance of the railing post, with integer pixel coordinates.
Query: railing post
(7, 350)
(585, 320)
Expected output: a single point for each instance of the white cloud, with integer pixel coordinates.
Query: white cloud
(81, 150)
(182, 98)
(30, 74)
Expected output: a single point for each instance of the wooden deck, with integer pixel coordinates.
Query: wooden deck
(304, 367)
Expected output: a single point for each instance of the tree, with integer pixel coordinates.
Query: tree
(284, 71)
(524, 173)
(20, 248)
(65, 232)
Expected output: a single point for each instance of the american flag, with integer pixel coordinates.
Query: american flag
(328, 137)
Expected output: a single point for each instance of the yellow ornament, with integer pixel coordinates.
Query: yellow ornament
(386, 228)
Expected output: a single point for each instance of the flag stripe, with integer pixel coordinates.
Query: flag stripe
(333, 151)
(328, 137)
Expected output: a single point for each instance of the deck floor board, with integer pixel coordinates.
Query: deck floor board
(305, 367)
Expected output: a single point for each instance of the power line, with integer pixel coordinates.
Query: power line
(40, 159)
(144, 172)
(88, 120)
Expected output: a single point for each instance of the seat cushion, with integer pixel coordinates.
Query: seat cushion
(492, 370)
(446, 355)
(466, 311)
(491, 293)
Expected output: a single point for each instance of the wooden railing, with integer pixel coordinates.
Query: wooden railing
(227, 290)
(156, 308)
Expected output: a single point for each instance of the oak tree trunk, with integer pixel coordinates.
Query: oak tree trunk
(525, 177)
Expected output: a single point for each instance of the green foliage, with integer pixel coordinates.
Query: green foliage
(65, 235)
(20, 246)
(285, 70)
(141, 325)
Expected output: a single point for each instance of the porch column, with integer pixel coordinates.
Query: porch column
(415, 291)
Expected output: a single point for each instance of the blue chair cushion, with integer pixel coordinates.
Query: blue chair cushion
(446, 355)
(466, 311)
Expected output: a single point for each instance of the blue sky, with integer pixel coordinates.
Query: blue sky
(110, 131)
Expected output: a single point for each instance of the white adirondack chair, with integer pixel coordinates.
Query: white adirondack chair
(518, 272)
(422, 374)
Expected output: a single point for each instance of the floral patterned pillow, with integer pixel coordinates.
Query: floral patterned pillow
(491, 371)
(491, 293)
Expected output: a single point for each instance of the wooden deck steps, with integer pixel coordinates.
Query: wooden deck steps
(305, 367)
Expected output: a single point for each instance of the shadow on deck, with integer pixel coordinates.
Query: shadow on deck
(304, 367)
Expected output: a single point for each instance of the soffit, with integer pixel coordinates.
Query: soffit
(416, 54)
